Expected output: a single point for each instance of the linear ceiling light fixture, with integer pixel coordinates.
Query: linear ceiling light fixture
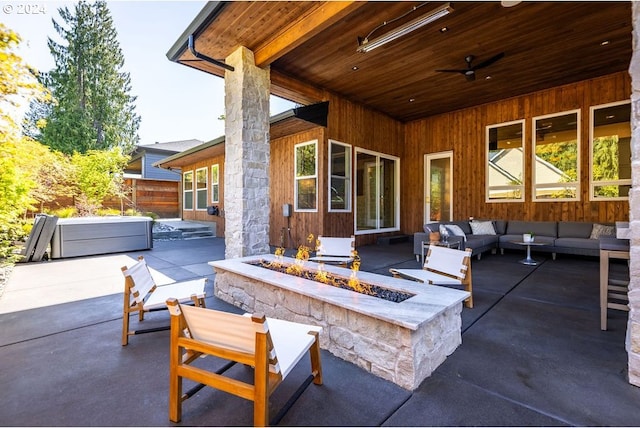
(366, 45)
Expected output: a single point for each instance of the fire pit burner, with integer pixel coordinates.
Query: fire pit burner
(352, 284)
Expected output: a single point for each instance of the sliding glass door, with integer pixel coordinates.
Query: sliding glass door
(377, 192)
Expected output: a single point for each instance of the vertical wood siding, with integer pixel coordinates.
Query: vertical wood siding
(463, 132)
(281, 191)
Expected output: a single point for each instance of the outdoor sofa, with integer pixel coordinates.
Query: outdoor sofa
(562, 237)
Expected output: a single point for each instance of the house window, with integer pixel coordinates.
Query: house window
(339, 177)
(377, 202)
(610, 151)
(556, 157)
(215, 183)
(306, 176)
(187, 190)
(201, 188)
(505, 162)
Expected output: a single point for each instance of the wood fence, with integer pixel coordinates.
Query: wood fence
(144, 195)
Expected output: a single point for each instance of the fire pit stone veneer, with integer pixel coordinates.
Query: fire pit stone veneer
(401, 342)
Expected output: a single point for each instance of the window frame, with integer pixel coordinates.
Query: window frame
(347, 177)
(534, 183)
(185, 190)
(198, 191)
(520, 187)
(297, 179)
(396, 190)
(215, 184)
(592, 182)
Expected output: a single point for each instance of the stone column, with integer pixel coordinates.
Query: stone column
(633, 327)
(246, 172)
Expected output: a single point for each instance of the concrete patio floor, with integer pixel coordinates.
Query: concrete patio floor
(532, 352)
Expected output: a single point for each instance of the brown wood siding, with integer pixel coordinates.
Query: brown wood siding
(360, 127)
(202, 215)
(348, 123)
(463, 132)
(281, 191)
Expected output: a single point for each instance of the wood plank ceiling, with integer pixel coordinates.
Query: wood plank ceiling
(311, 47)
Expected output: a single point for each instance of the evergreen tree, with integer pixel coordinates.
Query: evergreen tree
(93, 108)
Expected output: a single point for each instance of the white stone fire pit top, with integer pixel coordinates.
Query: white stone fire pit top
(428, 302)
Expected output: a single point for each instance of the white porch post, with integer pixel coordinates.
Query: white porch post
(246, 172)
(633, 328)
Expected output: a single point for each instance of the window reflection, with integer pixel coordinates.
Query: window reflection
(556, 157)
(505, 162)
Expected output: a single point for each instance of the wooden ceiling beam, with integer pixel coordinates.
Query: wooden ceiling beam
(295, 90)
(303, 29)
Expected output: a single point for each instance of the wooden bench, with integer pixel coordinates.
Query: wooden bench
(443, 266)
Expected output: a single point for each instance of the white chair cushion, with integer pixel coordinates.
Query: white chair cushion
(182, 291)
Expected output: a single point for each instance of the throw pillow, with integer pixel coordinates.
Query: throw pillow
(599, 230)
(455, 230)
(482, 228)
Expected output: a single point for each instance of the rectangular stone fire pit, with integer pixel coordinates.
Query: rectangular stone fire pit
(401, 342)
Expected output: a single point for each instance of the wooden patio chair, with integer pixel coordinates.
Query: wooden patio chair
(142, 295)
(443, 266)
(272, 347)
(335, 250)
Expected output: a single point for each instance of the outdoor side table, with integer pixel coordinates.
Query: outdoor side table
(528, 260)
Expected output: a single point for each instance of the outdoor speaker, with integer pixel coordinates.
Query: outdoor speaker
(286, 210)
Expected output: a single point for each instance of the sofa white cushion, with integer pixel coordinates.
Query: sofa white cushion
(482, 227)
(455, 230)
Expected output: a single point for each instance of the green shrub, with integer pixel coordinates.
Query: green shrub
(107, 211)
(132, 213)
(154, 216)
(10, 232)
(66, 212)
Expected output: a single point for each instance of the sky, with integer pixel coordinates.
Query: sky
(175, 102)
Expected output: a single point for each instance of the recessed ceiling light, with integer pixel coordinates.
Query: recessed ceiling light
(604, 43)
(411, 100)
(488, 78)
(444, 29)
(355, 67)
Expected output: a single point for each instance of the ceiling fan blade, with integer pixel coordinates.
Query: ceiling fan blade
(488, 62)
(452, 71)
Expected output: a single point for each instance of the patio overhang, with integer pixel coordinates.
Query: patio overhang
(310, 48)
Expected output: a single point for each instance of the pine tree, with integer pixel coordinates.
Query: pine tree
(93, 108)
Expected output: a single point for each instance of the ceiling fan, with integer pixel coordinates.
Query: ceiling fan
(470, 72)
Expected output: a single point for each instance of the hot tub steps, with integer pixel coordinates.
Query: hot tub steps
(201, 232)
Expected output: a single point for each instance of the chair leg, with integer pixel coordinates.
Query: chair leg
(125, 320)
(316, 364)
(261, 384)
(175, 381)
(125, 328)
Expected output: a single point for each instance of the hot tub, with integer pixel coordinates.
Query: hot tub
(85, 236)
